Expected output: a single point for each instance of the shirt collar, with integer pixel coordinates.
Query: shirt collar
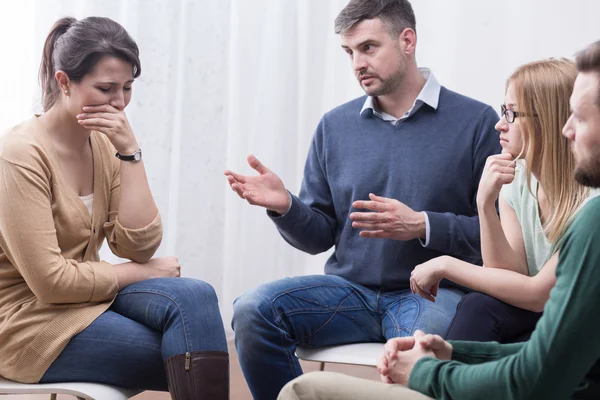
(430, 95)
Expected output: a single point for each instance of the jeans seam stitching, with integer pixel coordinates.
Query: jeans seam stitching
(125, 343)
(322, 308)
(276, 295)
(164, 294)
(335, 312)
(397, 326)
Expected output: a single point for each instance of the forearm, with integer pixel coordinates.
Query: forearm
(70, 282)
(136, 204)
(455, 235)
(130, 272)
(511, 287)
(309, 230)
(496, 252)
(419, 226)
(480, 352)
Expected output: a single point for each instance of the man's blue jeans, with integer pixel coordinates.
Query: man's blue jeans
(323, 310)
(148, 322)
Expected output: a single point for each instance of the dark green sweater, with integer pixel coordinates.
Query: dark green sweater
(560, 361)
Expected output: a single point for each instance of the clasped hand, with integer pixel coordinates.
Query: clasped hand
(401, 354)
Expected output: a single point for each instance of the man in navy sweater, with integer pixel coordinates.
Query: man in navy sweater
(390, 181)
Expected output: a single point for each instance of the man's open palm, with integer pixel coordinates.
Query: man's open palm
(265, 190)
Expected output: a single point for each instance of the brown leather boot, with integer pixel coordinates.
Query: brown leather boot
(199, 375)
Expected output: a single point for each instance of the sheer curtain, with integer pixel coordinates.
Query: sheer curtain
(222, 79)
(286, 69)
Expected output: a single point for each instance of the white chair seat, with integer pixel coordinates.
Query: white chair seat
(88, 391)
(354, 354)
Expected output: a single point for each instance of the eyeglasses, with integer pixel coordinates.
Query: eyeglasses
(510, 115)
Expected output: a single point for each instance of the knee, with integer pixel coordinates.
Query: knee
(476, 303)
(476, 319)
(180, 291)
(250, 311)
(313, 385)
(198, 291)
(293, 389)
(190, 295)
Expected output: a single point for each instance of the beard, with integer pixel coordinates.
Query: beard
(386, 85)
(588, 173)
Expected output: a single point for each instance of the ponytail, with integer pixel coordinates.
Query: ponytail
(75, 47)
(47, 81)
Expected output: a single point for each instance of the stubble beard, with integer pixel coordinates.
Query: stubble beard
(587, 172)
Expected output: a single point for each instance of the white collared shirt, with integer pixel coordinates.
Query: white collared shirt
(430, 95)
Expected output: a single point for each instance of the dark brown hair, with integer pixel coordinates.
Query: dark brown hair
(396, 14)
(589, 61)
(75, 47)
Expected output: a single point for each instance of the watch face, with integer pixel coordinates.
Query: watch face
(137, 156)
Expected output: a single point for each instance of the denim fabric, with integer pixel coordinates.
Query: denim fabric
(148, 322)
(322, 310)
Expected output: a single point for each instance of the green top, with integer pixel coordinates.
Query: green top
(560, 359)
(518, 197)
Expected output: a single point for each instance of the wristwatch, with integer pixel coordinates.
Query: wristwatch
(135, 157)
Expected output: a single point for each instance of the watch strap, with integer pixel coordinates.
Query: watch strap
(131, 157)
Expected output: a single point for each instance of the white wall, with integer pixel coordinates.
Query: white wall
(474, 45)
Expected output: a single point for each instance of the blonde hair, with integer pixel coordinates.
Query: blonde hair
(542, 90)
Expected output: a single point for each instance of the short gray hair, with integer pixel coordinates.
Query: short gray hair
(396, 14)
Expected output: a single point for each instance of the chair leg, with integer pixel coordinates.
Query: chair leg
(53, 397)
(322, 366)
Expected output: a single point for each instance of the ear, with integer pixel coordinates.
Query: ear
(408, 40)
(63, 81)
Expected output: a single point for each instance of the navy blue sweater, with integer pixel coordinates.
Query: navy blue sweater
(431, 161)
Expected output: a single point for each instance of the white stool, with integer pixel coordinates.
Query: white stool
(81, 390)
(353, 354)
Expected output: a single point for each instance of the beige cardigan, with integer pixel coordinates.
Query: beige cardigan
(52, 283)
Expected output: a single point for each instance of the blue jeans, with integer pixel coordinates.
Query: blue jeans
(323, 310)
(148, 322)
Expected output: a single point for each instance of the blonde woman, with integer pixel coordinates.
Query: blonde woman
(537, 196)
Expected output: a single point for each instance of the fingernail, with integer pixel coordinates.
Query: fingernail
(85, 108)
